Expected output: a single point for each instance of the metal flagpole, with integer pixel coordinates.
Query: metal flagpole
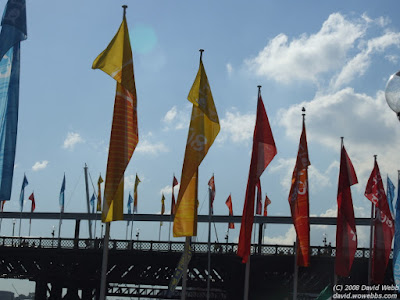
(209, 243)
(105, 256)
(247, 279)
(296, 270)
(20, 220)
(371, 235)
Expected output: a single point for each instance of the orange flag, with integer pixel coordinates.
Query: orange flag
(228, 203)
(116, 61)
(299, 201)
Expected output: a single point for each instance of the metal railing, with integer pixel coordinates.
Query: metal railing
(159, 246)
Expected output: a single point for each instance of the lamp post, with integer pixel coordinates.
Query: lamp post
(392, 93)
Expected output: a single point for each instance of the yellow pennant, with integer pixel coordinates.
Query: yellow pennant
(116, 61)
(204, 128)
(99, 182)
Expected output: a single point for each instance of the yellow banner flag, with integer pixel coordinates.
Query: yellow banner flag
(116, 61)
(204, 128)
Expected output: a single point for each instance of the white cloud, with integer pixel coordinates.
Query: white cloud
(237, 127)
(40, 165)
(306, 57)
(177, 119)
(167, 190)
(229, 69)
(72, 139)
(367, 123)
(147, 147)
(287, 239)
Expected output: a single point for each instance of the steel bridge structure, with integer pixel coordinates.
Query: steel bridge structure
(70, 268)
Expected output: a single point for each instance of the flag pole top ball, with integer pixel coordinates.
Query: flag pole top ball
(392, 93)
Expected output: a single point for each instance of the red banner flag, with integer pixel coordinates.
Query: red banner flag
(259, 201)
(346, 234)
(228, 203)
(383, 225)
(211, 184)
(264, 150)
(299, 201)
(266, 203)
(174, 183)
(33, 206)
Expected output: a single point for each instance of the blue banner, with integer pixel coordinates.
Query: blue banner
(22, 194)
(130, 201)
(62, 196)
(13, 31)
(390, 194)
(396, 247)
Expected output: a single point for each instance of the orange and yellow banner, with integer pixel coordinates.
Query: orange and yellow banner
(99, 182)
(116, 61)
(204, 128)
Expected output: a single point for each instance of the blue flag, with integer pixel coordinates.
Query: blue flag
(390, 194)
(21, 195)
(92, 202)
(13, 31)
(130, 201)
(61, 198)
(396, 247)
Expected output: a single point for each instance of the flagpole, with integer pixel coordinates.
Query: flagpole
(209, 243)
(371, 237)
(105, 253)
(87, 200)
(296, 269)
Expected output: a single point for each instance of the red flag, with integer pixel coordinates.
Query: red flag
(259, 201)
(299, 201)
(174, 183)
(346, 234)
(33, 206)
(211, 184)
(228, 203)
(383, 225)
(264, 150)
(266, 203)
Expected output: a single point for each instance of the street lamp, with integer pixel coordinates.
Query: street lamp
(392, 93)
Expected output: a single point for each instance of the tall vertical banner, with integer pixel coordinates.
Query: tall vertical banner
(135, 194)
(228, 203)
(390, 194)
(13, 31)
(383, 225)
(61, 198)
(346, 234)
(22, 193)
(99, 182)
(211, 185)
(204, 128)
(266, 203)
(264, 150)
(396, 246)
(33, 204)
(299, 201)
(116, 61)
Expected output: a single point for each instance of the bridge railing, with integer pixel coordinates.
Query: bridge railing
(163, 246)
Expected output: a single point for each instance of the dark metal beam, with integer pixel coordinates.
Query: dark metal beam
(166, 218)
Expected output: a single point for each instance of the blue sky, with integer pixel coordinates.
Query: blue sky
(332, 57)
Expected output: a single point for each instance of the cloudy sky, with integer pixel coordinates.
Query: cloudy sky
(332, 57)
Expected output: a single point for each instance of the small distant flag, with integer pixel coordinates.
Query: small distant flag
(2, 205)
(228, 203)
(92, 202)
(162, 207)
(135, 195)
(211, 184)
(266, 203)
(174, 183)
(62, 196)
(390, 194)
(130, 201)
(21, 195)
(99, 193)
(33, 206)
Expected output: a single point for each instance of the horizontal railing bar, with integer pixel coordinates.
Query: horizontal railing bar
(166, 218)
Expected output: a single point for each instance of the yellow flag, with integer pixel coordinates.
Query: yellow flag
(204, 128)
(99, 193)
(116, 61)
